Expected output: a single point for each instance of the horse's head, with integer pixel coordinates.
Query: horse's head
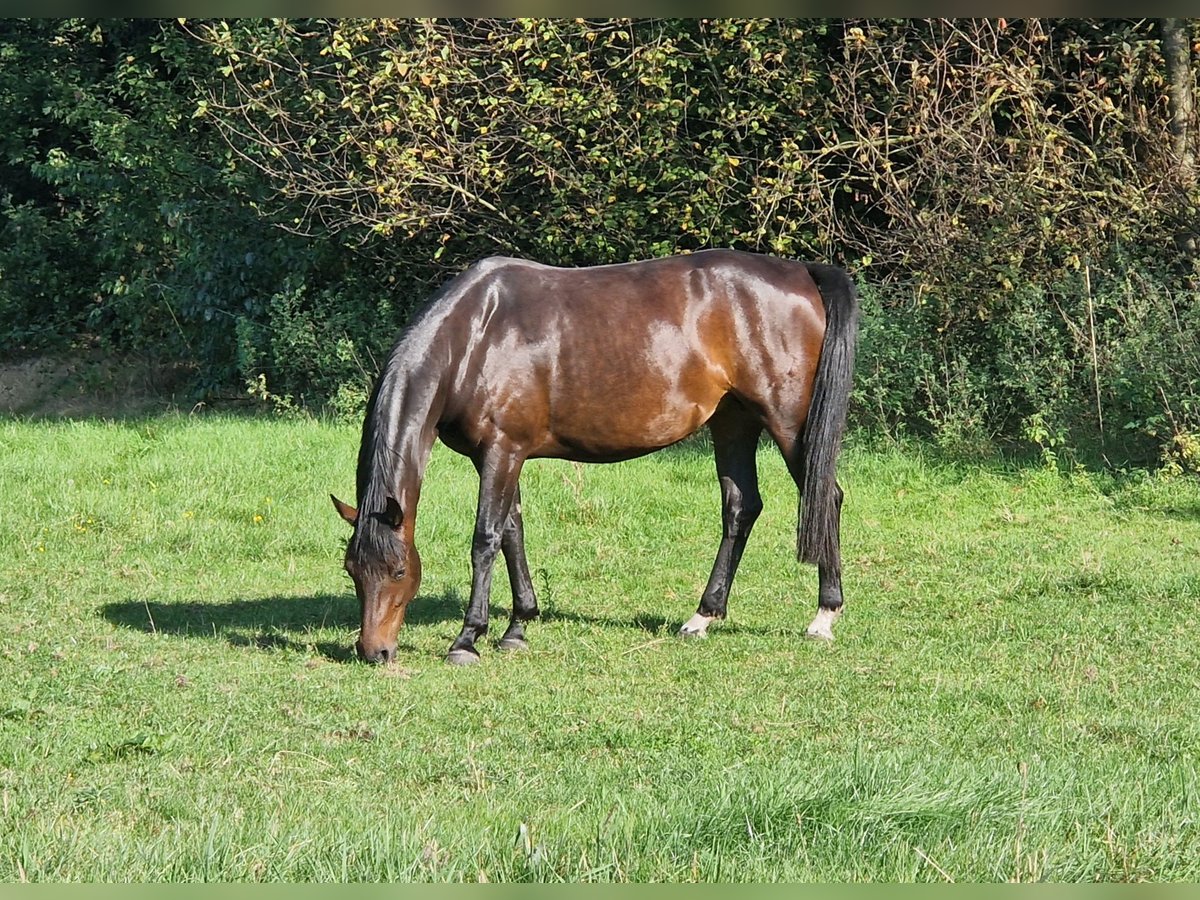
(386, 568)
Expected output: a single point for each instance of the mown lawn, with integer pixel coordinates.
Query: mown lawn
(1012, 695)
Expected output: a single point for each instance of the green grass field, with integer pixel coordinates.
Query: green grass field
(1013, 693)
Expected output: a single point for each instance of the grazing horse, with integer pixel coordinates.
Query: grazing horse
(513, 360)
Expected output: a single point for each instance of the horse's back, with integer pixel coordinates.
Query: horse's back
(621, 301)
(616, 360)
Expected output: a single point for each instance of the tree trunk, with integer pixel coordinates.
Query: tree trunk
(1178, 54)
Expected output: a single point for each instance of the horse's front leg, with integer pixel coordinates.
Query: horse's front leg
(524, 607)
(498, 474)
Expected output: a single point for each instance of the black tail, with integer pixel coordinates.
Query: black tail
(820, 503)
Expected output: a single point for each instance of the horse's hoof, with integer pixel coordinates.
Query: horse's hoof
(462, 658)
(696, 626)
(513, 645)
(821, 628)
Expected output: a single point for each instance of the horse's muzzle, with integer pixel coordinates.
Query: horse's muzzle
(382, 654)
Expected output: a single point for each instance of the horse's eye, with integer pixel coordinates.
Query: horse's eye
(398, 573)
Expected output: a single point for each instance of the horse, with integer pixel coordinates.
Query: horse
(514, 360)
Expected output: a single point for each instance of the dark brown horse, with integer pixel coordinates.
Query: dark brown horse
(514, 360)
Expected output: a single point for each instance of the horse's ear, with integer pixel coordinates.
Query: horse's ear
(393, 515)
(345, 510)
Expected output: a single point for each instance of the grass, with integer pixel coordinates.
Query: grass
(1012, 693)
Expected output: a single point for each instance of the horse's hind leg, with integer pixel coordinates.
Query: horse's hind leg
(524, 607)
(829, 599)
(735, 434)
(829, 574)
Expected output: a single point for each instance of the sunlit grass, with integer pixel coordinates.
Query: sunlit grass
(1011, 695)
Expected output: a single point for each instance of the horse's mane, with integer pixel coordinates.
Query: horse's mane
(405, 368)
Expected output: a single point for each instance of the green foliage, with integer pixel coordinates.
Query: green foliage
(975, 173)
(1100, 363)
(40, 273)
(273, 198)
(126, 220)
(305, 341)
(570, 141)
(1183, 454)
(86, 110)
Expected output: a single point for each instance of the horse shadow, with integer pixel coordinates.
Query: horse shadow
(653, 624)
(271, 623)
(292, 622)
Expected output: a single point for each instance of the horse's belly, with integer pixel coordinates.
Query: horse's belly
(626, 426)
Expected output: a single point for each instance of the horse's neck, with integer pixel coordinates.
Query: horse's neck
(403, 431)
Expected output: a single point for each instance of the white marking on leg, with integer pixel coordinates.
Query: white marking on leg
(696, 626)
(822, 625)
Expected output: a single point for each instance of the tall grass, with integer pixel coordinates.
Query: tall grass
(1011, 696)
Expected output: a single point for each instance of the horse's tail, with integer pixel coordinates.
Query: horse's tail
(820, 500)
